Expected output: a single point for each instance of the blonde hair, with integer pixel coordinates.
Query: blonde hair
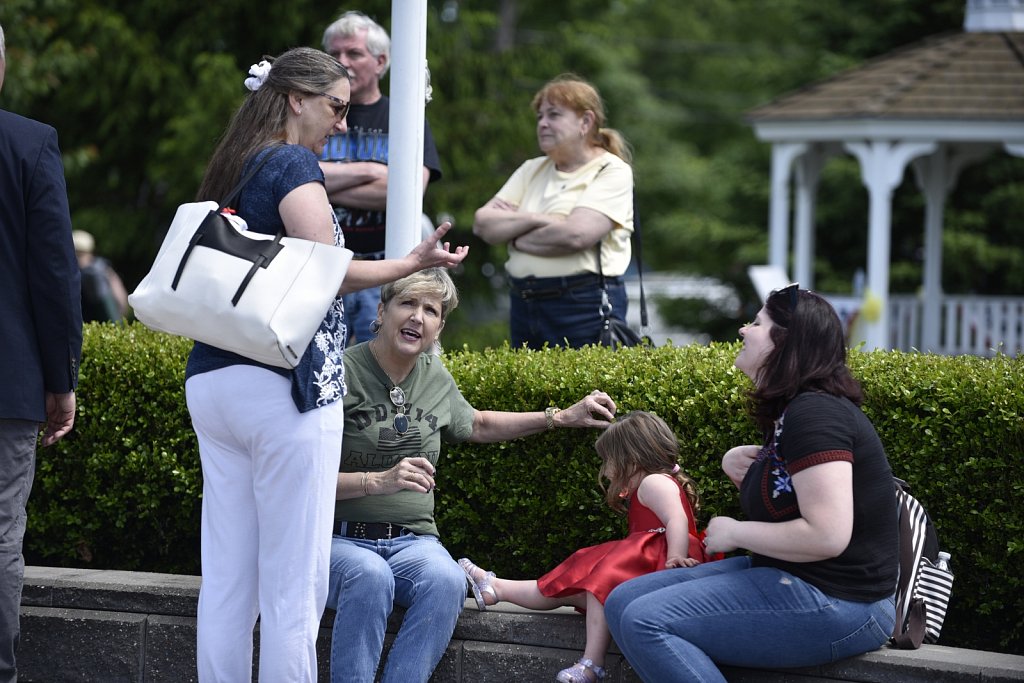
(569, 90)
(640, 443)
(427, 282)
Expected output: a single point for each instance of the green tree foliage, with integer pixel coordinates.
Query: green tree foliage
(140, 90)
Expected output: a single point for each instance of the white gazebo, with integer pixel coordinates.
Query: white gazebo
(936, 106)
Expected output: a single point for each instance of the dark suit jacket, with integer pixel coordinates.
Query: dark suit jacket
(40, 295)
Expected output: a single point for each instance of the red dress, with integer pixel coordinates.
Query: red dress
(598, 569)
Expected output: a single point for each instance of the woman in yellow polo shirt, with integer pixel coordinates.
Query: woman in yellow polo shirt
(559, 214)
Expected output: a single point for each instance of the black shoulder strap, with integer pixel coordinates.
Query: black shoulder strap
(639, 263)
(248, 176)
(639, 259)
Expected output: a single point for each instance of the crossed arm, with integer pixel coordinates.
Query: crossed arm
(825, 497)
(360, 184)
(540, 234)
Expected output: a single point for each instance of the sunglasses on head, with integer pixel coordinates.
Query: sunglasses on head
(397, 396)
(790, 292)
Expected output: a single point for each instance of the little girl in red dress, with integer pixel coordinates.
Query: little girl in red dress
(639, 454)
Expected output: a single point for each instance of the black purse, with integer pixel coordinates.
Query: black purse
(614, 332)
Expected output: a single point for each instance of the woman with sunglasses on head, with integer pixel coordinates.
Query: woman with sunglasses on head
(402, 403)
(269, 437)
(818, 581)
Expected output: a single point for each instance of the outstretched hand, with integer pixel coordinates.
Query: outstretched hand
(596, 409)
(433, 253)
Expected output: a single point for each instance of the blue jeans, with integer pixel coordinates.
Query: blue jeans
(360, 311)
(571, 319)
(674, 625)
(367, 577)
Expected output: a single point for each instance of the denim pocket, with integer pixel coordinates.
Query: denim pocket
(868, 637)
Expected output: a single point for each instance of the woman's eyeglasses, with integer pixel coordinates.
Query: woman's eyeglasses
(401, 423)
(791, 292)
(340, 106)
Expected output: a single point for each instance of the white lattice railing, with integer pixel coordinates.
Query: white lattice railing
(975, 325)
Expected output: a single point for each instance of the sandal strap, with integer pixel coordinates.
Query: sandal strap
(599, 671)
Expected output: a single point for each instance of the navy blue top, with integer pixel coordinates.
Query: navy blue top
(40, 301)
(319, 378)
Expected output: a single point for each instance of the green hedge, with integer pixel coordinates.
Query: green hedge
(123, 490)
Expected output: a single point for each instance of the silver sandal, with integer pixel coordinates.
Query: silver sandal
(577, 673)
(478, 586)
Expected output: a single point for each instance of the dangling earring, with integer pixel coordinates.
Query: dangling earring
(375, 326)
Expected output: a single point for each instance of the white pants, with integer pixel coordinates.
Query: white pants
(269, 482)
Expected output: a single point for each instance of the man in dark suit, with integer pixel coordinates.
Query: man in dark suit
(40, 335)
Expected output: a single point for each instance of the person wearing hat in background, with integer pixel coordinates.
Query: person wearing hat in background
(104, 296)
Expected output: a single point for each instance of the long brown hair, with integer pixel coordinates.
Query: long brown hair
(260, 120)
(809, 354)
(569, 90)
(640, 443)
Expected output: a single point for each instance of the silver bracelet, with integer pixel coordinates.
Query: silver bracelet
(366, 475)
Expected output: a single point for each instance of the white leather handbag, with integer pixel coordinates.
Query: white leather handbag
(260, 296)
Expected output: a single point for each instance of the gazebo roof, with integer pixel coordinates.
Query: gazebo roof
(937, 105)
(973, 77)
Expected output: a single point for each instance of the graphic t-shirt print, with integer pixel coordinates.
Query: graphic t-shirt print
(776, 483)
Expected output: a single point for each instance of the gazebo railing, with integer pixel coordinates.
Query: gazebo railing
(974, 325)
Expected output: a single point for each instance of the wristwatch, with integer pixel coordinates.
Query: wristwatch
(549, 415)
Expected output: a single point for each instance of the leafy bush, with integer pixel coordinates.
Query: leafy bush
(123, 490)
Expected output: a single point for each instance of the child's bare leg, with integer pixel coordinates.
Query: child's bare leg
(522, 593)
(598, 636)
(526, 594)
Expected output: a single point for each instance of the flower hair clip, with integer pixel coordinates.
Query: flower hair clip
(257, 75)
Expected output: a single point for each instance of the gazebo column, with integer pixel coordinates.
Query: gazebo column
(882, 164)
(783, 154)
(808, 173)
(936, 176)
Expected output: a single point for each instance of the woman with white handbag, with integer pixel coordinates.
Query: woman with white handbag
(270, 437)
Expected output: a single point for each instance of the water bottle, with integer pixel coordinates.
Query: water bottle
(942, 561)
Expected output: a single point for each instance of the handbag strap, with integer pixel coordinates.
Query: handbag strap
(200, 233)
(231, 196)
(605, 304)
